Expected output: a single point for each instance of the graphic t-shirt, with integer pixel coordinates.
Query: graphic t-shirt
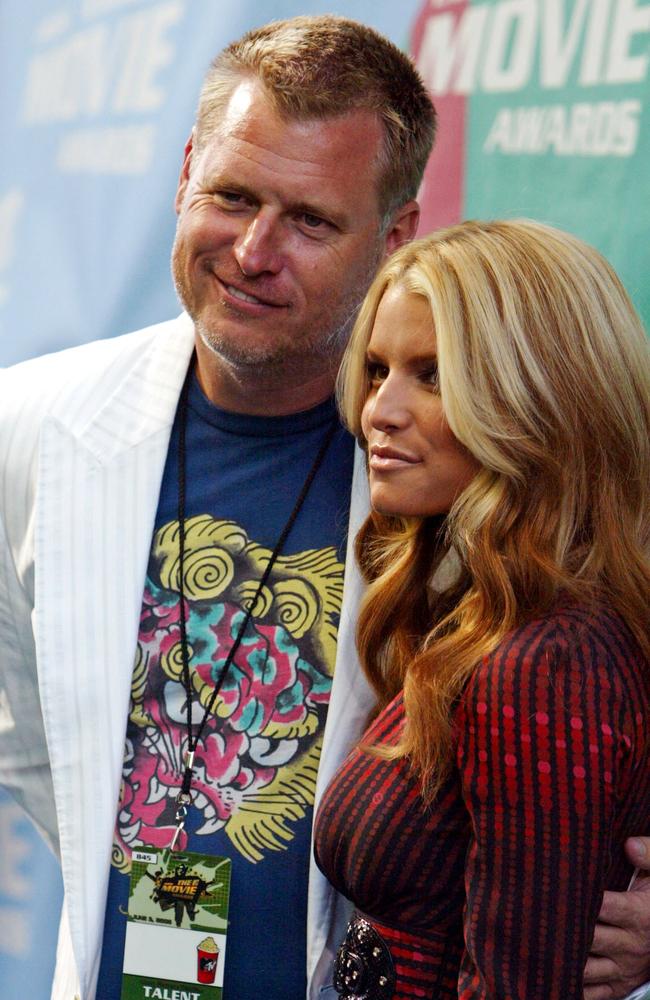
(256, 763)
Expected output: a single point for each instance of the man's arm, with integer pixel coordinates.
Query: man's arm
(24, 762)
(619, 961)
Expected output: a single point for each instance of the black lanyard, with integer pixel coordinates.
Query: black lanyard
(185, 794)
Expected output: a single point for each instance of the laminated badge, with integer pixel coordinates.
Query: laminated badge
(176, 927)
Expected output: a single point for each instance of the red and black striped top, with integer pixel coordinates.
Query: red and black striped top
(493, 891)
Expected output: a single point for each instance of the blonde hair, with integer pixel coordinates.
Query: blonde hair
(544, 376)
(323, 67)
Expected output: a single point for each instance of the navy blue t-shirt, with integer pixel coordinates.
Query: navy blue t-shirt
(256, 764)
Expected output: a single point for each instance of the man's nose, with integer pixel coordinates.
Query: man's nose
(257, 249)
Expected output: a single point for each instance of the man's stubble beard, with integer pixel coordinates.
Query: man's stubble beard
(323, 347)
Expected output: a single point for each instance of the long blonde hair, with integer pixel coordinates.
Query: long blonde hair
(544, 376)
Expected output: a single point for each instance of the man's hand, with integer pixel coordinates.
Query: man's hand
(620, 953)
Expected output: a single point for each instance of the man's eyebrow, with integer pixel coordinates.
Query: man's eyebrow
(217, 182)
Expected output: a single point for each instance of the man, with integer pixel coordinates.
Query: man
(619, 958)
(211, 533)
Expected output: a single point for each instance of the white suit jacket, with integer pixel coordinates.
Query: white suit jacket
(83, 442)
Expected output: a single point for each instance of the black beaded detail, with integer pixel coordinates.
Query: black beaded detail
(364, 967)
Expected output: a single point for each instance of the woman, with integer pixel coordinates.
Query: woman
(498, 379)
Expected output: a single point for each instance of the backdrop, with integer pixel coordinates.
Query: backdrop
(543, 112)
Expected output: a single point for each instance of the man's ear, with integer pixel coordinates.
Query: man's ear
(402, 227)
(184, 178)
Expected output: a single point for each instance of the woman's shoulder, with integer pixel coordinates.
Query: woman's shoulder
(572, 627)
(592, 642)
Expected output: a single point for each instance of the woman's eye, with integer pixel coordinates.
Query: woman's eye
(376, 372)
(430, 376)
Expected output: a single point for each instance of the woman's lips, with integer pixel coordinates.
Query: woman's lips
(384, 459)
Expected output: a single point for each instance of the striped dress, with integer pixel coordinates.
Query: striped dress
(493, 890)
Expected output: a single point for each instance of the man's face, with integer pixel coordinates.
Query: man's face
(278, 234)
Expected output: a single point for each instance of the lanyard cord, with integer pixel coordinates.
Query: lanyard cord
(192, 741)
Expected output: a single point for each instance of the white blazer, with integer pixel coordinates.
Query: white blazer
(83, 441)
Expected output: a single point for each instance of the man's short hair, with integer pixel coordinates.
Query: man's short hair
(323, 67)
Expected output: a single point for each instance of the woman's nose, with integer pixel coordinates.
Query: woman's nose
(388, 407)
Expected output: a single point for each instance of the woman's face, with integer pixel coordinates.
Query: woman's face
(417, 466)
